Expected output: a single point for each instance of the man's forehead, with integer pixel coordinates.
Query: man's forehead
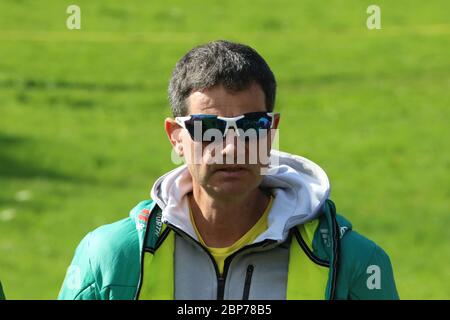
(221, 101)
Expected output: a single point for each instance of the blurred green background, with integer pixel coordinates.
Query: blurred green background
(81, 119)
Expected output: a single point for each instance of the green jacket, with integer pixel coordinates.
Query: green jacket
(107, 263)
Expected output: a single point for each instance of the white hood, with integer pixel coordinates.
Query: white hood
(299, 185)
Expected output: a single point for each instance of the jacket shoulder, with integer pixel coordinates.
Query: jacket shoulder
(106, 263)
(356, 249)
(365, 269)
(114, 253)
(113, 237)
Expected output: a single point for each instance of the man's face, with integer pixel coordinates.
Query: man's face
(222, 178)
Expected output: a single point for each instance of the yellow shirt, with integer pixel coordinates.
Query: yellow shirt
(220, 254)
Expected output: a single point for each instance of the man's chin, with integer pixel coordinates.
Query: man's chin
(230, 192)
(232, 188)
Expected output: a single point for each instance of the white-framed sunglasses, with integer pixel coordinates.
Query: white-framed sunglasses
(257, 123)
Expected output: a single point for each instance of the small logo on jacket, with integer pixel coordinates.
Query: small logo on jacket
(143, 215)
(142, 219)
(325, 237)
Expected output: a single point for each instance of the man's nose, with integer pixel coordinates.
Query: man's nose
(230, 142)
(231, 147)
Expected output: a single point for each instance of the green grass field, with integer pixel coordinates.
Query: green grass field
(81, 114)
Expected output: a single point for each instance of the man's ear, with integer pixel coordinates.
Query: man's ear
(276, 121)
(173, 131)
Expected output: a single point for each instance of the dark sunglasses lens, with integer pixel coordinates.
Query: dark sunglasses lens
(256, 122)
(205, 123)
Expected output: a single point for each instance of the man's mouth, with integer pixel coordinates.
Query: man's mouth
(231, 170)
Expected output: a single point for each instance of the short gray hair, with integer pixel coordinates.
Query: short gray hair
(233, 65)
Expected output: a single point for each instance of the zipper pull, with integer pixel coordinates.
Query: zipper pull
(248, 281)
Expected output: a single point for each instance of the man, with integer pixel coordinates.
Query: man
(222, 228)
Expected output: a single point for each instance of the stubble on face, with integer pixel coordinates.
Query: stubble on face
(226, 180)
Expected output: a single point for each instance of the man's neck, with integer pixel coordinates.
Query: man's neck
(221, 221)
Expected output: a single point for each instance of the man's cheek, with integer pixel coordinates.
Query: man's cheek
(212, 153)
(196, 172)
(193, 152)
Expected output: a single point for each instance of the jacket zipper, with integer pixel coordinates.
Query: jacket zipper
(248, 281)
(230, 258)
(220, 288)
(221, 278)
